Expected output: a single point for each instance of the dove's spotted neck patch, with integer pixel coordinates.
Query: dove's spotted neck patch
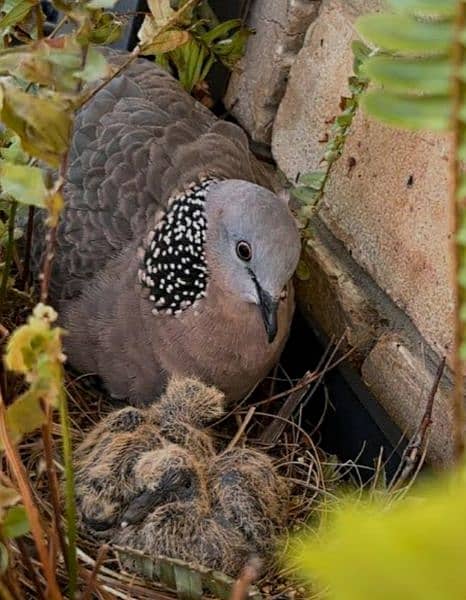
(174, 267)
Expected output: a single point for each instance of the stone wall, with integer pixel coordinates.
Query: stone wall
(378, 259)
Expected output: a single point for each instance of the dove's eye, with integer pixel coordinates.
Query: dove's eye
(244, 251)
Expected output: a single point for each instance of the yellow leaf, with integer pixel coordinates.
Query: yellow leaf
(24, 183)
(43, 124)
(413, 549)
(166, 42)
(16, 14)
(25, 415)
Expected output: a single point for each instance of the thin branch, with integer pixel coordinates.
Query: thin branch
(87, 594)
(51, 237)
(418, 444)
(9, 251)
(30, 568)
(58, 26)
(458, 212)
(52, 477)
(27, 250)
(298, 393)
(70, 495)
(242, 428)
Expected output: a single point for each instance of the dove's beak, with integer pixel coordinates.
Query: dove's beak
(269, 309)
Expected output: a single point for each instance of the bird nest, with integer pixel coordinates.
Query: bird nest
(270, 420)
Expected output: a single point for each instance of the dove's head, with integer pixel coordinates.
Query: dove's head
(252, 245)
(234, 233)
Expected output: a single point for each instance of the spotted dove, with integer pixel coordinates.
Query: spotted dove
(172, 254)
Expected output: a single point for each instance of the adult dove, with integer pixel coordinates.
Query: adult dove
(172, 255)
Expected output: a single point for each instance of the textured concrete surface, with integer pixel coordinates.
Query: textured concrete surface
(391, 212)
(258, 84)
(317, 81)
(387, 196)
(400, 377)
(395, 361)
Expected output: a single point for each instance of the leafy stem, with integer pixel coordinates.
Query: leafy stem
(311, 185)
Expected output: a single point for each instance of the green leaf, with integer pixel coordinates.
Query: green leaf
(430, 112)
(106, 29)
(43, 124)
(25, 184)
(398, 33)
(397, 74)
(360, 50)
(232, 49)
(313, 179)
(461, 192)
(14, 153)
(344, 120)
(221, 31)
(426, 8)
(463, 351)
(303, 272)
(306, 195)
(16, 14)
(360, 54)
(96, 66)
(15, 522)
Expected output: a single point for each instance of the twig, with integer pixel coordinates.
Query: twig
(52, 477)
(458, 210)
(51, 236)
(22, 481)
(70, 494)
(27, 249)
(39, 21)
(9, 251)
(416, 447)
(248, 576)
(30, 568)
(242, 428)
(93, 577)
(58, 26)
(298, 393)
(276, 427)
(132, 57)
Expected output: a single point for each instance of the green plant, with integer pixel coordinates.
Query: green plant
(372, 548)
(191, 40)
